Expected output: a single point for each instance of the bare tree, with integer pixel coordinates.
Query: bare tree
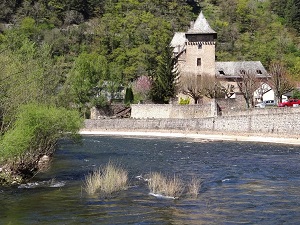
(281, 81)
(248, 83)
(263, 89)
(192, 86)
(206, 85)
(212, 88)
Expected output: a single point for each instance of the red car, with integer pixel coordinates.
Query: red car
(290, 103)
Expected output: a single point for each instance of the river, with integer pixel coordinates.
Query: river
(242, 183)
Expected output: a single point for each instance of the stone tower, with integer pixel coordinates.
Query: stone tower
(200, 48)
(195, 49)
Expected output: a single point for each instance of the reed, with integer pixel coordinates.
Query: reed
(170, 187)
(194, 187)
(106, 180)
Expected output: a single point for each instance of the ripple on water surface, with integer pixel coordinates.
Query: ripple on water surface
(241, 183)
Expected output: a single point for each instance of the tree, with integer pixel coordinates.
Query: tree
(165, 79)
(34, 134)
(86, 78)
(142, 86)
(281, 81)
(212, 88)
(192, 86)
(128, 96)
(28, 74)
(248, 83)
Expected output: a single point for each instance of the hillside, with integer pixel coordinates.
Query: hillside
(76, 52)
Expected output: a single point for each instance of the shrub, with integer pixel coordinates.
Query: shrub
(107, 180)
(169, 187)
(128, 96)
(184, 101)
(34, 134)
(194, 187)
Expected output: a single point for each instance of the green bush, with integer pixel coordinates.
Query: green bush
(36, 131)
(184, 101)
(129, 98)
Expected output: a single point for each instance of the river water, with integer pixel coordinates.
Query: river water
(242, 183)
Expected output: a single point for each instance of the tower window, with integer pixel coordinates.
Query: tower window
(200, 46)
(198, 61)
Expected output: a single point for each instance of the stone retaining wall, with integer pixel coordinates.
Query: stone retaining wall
(158, 111)
(277, 122)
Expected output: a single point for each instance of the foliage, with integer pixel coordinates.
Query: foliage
(29, 74)
(128, 96)
(86, 79)
(183, 101)
(165, 79)
(142, 86)
(296, 94)
(35, 133)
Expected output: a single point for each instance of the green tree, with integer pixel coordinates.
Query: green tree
(86, 78)
(34, 134)
(164, 81)
(28, 74)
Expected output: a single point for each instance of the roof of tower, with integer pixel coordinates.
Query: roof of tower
(200, 26)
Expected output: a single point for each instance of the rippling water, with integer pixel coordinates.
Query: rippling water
(243, 183)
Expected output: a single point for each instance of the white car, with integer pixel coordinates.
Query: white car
(265, 103)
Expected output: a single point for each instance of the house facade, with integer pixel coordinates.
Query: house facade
(196, 56)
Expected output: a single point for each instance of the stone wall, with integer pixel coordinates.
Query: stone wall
(158, 111)
(277, 122)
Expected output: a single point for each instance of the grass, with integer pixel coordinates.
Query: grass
(194, 187)
(106, 180)
(170, 187)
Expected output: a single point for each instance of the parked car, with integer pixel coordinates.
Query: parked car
(265, 103)
(290, 103)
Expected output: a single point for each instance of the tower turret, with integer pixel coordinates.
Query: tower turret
(200, 48)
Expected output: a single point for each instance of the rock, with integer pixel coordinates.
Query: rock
(44, 162)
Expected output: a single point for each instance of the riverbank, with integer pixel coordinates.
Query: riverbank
(195, 136)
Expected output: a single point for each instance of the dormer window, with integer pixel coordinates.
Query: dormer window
(221, 72)
(258, 72)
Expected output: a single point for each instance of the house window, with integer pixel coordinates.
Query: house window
(198, 61)
(221, 72)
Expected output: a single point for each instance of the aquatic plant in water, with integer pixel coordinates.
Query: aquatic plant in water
(106, 180)
(194, 187)
(160, 185)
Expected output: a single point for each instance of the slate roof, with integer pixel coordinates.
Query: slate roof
(178, 39)
(201, 26)
(234, 69)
